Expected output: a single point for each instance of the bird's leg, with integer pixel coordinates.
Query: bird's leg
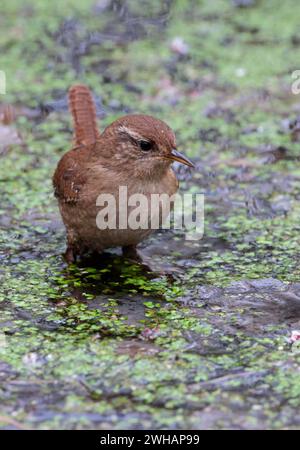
(73, 249)
(70, 255)
(130, 252)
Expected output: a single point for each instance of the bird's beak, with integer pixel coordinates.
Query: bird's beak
(177, 156)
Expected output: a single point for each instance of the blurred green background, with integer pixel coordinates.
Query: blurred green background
(105, 347)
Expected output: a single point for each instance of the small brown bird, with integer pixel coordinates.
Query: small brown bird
(135, 151)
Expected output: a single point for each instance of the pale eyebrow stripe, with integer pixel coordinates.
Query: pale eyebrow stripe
(131, 133)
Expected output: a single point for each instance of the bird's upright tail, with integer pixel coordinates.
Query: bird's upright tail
(82, 108)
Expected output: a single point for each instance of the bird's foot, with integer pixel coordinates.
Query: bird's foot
(130, 252)
(70, 255)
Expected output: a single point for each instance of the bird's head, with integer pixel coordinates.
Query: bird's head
(144, 144)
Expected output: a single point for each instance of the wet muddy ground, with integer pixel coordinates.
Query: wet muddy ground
(104, 344)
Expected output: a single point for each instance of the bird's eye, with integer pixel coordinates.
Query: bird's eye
(145, 145)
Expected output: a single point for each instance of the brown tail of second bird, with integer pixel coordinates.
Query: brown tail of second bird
(82, 108)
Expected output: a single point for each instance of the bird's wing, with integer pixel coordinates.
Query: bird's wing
(82, 108)
(69, 178)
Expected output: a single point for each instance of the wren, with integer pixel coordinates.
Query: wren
(135, 151)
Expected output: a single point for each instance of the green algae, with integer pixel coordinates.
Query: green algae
(62, 329)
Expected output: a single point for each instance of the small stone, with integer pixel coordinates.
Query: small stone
(179, 46)
(240, 72)
(295, 336)
(31, 359)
